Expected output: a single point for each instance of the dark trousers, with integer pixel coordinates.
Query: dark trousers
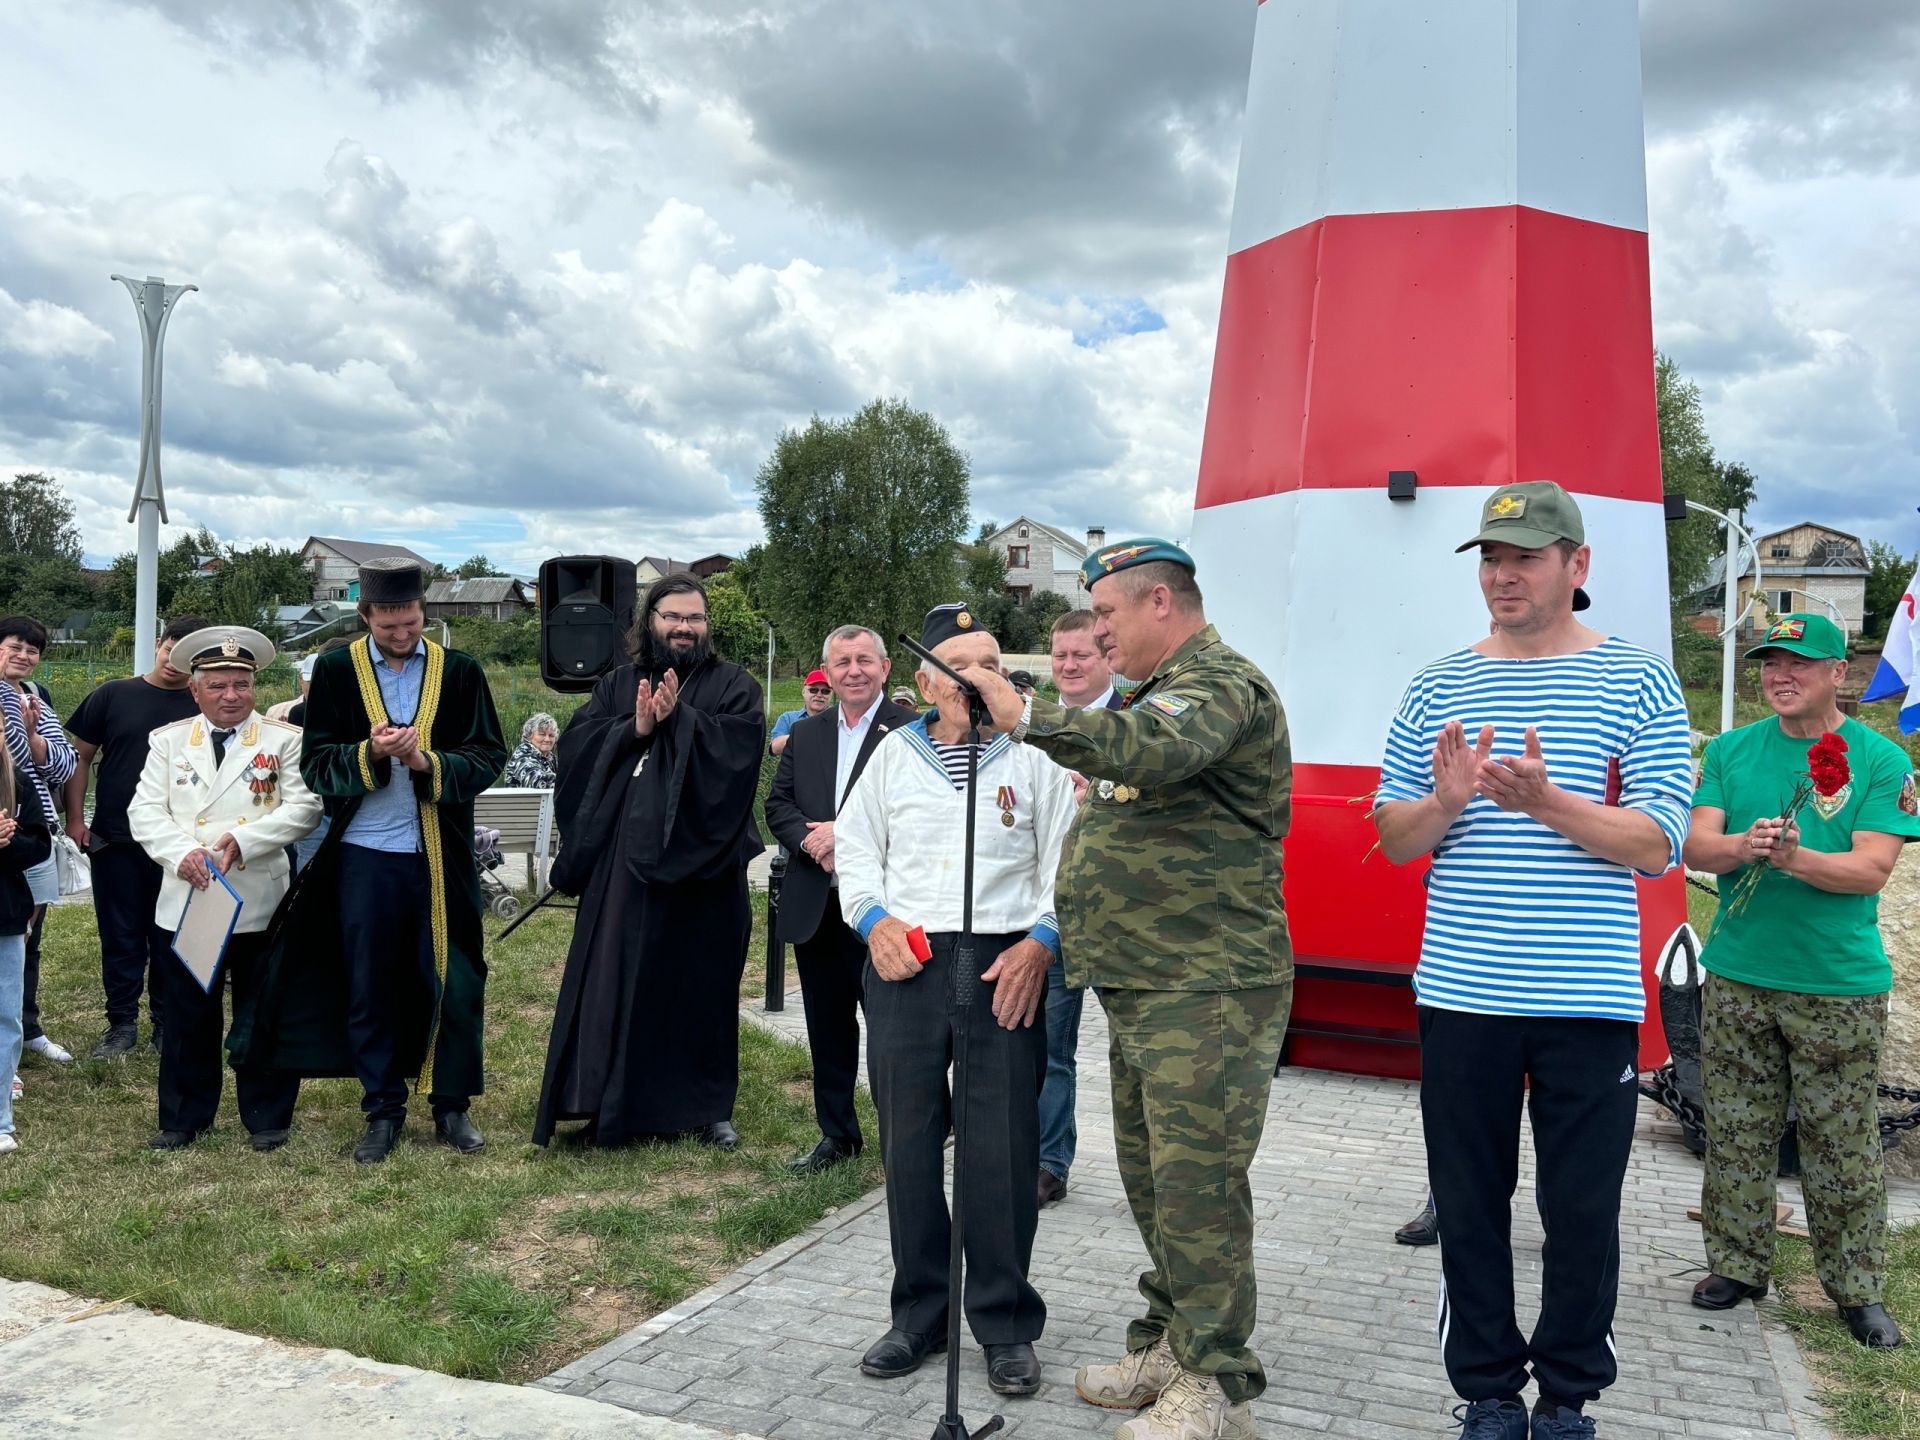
(30, 996)
(831, 966)
(192, 1049)
(388, 944)
(910, 1035)
(1577, 1079)
(133, 950)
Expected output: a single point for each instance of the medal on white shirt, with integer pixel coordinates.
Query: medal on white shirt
(1005, 800)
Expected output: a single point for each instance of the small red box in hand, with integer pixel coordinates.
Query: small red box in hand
(917, 942)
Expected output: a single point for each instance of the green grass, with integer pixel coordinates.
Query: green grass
(1866, 1392)
(503, 1265)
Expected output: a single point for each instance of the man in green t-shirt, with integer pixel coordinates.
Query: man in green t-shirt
(1796, 997)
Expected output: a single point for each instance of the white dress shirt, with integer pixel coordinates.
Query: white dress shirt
(852, 737)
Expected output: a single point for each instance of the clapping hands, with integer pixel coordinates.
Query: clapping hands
(652, 704)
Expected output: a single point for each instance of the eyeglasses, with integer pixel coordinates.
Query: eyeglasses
(819, 689)
(673, 619)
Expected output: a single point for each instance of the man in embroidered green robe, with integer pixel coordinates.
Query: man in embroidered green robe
(375, 969)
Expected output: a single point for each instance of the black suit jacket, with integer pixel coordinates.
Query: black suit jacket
(802, 791)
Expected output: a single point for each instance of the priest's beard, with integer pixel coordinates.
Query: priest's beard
(657, 656)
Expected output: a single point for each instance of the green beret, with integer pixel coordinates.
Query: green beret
(1144, 551)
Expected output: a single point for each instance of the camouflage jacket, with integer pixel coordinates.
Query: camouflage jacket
(1170, 877)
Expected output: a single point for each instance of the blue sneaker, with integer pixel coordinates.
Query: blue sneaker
(1563, 1424)
(1492, 1420)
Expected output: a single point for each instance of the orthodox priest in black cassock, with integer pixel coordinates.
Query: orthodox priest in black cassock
(658, 775)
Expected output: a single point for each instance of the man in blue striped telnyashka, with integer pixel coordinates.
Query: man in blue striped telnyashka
(1542, 768)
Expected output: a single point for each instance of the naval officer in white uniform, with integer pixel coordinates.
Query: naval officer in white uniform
(221, 791)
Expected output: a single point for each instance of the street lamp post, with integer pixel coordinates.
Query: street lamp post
(1733, 614)
(153, 301)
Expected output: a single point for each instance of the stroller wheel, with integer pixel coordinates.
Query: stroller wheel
(505, 906)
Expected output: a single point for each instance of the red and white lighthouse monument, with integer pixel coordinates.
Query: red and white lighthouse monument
(1437, 272)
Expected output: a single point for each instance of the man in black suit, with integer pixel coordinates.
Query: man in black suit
(824, 755)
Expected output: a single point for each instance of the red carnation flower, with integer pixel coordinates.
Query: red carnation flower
(1827, 764)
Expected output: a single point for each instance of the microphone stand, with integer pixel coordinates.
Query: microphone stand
(965, 973)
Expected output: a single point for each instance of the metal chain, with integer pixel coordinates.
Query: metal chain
(1661, 1088)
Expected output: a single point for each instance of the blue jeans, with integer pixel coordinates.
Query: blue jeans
(13, 980)
(304, 849)
(1057, 1132)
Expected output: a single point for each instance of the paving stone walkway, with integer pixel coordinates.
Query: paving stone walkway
(1346, 1316)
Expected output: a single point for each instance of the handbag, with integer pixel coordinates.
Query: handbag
(71, 865)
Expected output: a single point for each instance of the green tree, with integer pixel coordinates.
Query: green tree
(862, 516)
(737, 630)
(36, 519)
(983, 573)
(1888, 574)
(474, 567)
(1688, 467)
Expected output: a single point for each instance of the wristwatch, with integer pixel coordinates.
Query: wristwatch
(1019, 731)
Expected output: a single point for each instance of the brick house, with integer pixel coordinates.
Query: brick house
(1040, 557)
(1807, 567)
(335, 564)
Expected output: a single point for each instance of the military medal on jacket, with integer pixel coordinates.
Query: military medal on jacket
(1005, 800)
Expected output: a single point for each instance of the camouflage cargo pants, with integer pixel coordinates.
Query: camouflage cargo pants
(1191, 1074)
(1760, 1048)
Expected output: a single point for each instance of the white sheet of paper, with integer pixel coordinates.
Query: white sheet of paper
(205, 926)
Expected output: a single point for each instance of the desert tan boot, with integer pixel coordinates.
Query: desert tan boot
(1191, 1407)
(1130, 1383)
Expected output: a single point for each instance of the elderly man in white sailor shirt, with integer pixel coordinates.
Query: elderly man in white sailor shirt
(900, 854)
(220, 792)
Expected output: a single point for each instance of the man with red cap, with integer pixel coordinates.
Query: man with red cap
(819, 697)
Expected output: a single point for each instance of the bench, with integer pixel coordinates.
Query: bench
(524, 819)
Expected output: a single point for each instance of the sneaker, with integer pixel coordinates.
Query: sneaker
(1563, 1424)
(1192, 1407)
(7, 1143)
(1132, 1382)
(46, 1049)
(1492, 1420)
(118, 1040)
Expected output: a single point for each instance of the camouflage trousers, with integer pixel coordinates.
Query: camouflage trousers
(1191, 1073)
(1759, 1049)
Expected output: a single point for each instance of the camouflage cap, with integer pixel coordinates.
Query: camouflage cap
(1803, 633)
(1532, 515)
(1128, 553)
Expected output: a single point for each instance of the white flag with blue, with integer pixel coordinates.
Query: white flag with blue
(1899, 672)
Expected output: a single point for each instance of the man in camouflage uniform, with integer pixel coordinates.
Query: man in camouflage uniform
(1168, 898)
(1795, 1007)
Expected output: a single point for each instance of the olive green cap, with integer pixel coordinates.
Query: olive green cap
(1533, 515)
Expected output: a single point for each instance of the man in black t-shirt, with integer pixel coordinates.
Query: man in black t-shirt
(114, 723)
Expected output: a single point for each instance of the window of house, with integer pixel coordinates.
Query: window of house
(1784, 602)
(1018, 556)
(1780, 550)
(1022, 593)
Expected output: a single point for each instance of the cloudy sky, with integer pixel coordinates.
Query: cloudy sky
(532, 277)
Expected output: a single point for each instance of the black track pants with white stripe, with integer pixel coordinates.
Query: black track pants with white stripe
(1577, 1080)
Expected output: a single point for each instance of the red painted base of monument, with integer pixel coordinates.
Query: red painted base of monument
(1356, 919)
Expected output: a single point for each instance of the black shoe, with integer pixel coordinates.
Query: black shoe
(1422, 1229)
(456, 1128)
(823, 1157)
(264, 1140)
(1563, 1424)
(898, 1353)
(378, 1142)
(1050, 1191)
(1872, 1326)
(118, 1040)
(1012, 1369)
(1492, 1420)
(720, 1134)
(1717, 1292)
(174, 1139)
